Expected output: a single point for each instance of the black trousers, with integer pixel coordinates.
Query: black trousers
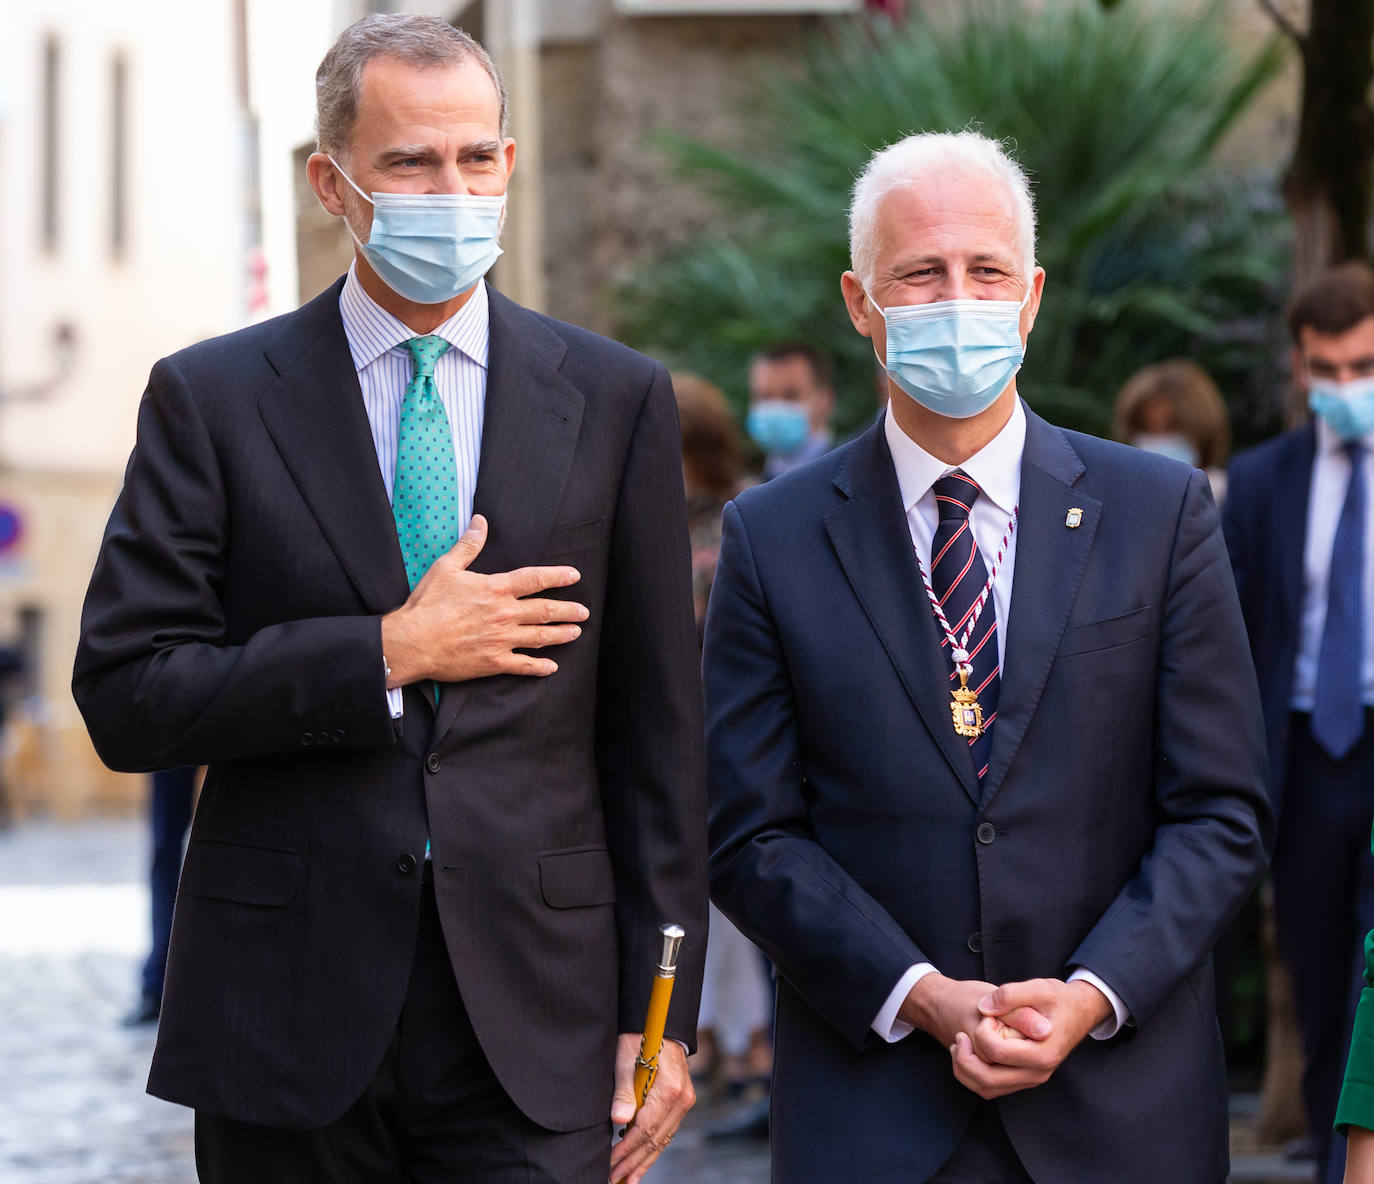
(173, 791)
(433, 1114)
(1323, 906)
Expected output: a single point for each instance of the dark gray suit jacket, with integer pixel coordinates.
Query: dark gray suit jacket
(233, 620)
(1122, 822)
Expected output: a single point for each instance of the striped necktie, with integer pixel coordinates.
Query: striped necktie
(958, 577)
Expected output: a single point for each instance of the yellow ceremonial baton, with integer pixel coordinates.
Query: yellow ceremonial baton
(646, 1064)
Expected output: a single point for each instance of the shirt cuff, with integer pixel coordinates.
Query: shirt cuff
(395, 702)
(886, 1023)
(1113, 1023)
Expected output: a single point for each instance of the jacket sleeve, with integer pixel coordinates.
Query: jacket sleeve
(157, 676)
(836, 945)
(1214, 823)
(649, 730)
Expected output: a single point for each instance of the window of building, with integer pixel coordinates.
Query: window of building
(49, 147)
(119, 155)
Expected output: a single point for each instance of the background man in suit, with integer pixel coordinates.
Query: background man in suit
(791, 400)
(172, 794)
(425, 877)
(1298, 529)
(1013, 876)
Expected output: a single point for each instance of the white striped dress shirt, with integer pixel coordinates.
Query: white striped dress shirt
(384, 371)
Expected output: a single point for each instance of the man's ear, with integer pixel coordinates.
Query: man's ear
(856, 301)
(325, 181)
(1299, 367)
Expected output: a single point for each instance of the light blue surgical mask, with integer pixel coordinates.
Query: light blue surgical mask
(778, 426)
(1347, 407)
(430, 247)
(954, 357)
(1174, 445)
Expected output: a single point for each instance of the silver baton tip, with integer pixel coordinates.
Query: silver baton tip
(672, 943)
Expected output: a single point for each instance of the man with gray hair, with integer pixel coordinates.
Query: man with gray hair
(408, 569)
(984, 744)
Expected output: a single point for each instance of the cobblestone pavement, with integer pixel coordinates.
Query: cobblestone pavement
(73, 928)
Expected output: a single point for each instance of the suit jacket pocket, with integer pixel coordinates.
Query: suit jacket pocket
(1106, 635)
(239, 872)
(568, 538)
(577, 878)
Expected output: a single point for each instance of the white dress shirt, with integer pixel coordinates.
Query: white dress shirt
(1326, 498)
(384, 371)
(996, 467)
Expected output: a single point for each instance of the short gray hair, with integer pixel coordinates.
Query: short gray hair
(417, 40)
(926, 153)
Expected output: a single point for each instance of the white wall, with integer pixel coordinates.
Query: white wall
(181, 275)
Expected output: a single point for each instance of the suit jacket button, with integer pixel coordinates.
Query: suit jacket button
(405, 864)
(321, 737)
(339, 736)
(432, 762)
(987, 833)
(975, 942)
(307, 739)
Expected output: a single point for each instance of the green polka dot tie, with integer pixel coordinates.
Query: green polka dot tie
(424, 497)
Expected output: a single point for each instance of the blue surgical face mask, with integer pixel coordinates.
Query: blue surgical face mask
(1347, 407)
(954, 357)
(430, 247)
(1174, 445)
(777, 426)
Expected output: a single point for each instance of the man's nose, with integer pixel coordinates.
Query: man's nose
(448, 178)
(957, 285)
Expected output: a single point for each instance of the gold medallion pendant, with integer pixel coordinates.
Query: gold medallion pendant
(967, 713)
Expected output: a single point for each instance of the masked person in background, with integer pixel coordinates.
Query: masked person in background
(986, 760)
(1298, 525)
(1174, 408)
(408, 568)
(791, 400)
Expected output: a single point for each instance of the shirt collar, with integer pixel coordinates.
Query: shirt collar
(1329, 442)
(996, 466)
(372, 331)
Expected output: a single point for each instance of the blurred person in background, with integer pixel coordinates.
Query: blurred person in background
(712, 473)
(791, 400)
(734, 1026)
(1301, 538)
(1173, 408)
(408, 569)
(170, 801)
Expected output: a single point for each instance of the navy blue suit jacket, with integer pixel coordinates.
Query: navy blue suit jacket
(1126, 799)
(1265, 521)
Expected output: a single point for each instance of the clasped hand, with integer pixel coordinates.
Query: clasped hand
(1008, 1038)
(459, 624)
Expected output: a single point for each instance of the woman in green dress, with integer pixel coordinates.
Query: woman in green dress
(1355, 1113)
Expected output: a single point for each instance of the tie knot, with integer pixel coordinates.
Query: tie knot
(424, 352)
(955, 494)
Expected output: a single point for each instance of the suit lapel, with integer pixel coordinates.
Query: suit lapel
(1050, 560)
(316, 418)
(530, 428)
(1292, 491)
(873, 543)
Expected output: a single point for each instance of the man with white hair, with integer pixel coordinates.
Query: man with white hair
(984, 743)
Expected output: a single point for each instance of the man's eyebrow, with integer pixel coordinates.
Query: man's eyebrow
(406, 151)
(480, 147)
